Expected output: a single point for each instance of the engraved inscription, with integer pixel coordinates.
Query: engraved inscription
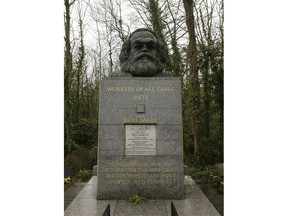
(140, 89)
(136, 172)
(140, 140)
(139, 120)
(140, 97)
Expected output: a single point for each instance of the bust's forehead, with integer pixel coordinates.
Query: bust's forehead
(143, 35)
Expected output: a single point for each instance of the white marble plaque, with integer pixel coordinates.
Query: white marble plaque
(140, 139)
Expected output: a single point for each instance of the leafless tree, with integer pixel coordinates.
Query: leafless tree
(194, 76)
(68, 69)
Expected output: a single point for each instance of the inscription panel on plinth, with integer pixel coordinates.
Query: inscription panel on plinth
(140, 139)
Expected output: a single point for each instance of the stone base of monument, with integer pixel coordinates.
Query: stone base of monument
(150, 177)
(195, 203)
(140, 149)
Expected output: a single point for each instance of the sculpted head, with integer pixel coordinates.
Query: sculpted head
(143, 54)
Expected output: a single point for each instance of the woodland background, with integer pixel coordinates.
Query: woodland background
(193, 32)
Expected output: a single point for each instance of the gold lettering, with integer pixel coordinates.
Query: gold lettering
(140, 97)
(165, 89)
(130, 120)
(127, 172)
(140, 89)
(121, 88)
(150, 89)
(148, 120)
(140, 120)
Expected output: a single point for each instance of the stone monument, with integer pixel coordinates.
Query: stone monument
(140, 147)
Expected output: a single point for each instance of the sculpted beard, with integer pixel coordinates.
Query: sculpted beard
(142, 65)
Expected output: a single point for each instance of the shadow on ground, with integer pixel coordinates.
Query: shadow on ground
(215, 197)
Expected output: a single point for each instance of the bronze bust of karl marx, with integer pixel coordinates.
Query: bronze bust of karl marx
(143, 55)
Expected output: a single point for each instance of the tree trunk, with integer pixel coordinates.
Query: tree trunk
(155, 18)
(80, 68)
(194, 78)
(68, 67)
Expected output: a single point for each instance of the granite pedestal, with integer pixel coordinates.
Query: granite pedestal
(140, 139)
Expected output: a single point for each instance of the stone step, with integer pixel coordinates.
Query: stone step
(194, 204)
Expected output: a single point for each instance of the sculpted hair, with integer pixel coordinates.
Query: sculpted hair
(126, 47)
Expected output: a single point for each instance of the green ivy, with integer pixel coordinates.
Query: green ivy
(84, 175)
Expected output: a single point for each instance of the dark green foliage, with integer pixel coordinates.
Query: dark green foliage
(176, 64)
(209, 175)
(158, 26)
(156, 17)
(83, 175)
(210, 64)
(211, 153)
(187, 126)
(211, 67)
(91, 157)
(85, 133)
(80, 157)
